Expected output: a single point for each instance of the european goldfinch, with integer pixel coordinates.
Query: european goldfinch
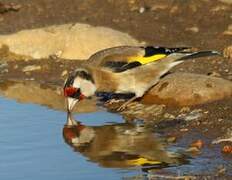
(124, 69)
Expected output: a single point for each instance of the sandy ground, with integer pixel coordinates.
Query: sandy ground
(202, 24)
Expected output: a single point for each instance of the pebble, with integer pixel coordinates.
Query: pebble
(171, 139)
(214, 74)
(31, 68)
(228, 31)
(227, 52)
(198, 144)
(64, 73)
(194, 29)
(193, 150)
(159, 7)
(142, 10)
(185, 109)
(183, 130)
(3, 65)
(169, 116)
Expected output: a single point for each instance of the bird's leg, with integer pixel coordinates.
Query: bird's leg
(124, 105)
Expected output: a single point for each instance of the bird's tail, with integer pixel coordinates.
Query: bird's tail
(198, 54)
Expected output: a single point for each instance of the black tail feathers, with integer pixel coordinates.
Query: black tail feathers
(199, 55)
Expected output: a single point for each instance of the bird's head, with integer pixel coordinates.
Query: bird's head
(79, 85)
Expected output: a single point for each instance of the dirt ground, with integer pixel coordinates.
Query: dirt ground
(202, 24)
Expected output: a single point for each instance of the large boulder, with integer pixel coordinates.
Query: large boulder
(68, 41)
(185, 89)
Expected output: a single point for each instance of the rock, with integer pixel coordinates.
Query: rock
(193, 115)
(68, 41)
(171, 139)
(198, 144)
(31, 68)
(228, 31)
(228, 52)
(185, 89)
(157, 7)
(193, 29)
(193, 150)
(184, 109)
(169, 116)
(64, 73)
(142, 10)
(214, 74)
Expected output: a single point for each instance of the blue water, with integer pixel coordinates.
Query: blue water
(32, 146)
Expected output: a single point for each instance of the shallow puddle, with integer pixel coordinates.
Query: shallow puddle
(35, 142)
(32, 145)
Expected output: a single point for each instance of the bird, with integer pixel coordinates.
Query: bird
(124, 69)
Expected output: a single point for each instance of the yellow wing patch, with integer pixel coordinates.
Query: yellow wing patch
(145, 60)
(140, 161)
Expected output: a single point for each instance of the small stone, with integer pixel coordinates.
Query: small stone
(16, 66)
(228, 52)
(3, 65)
(214, 74)
(194, 29)
(193, 150)
(5, 71)
(220, 120)
(171, 139)
(184, 110)
(64, 73)
(142, 10)
(169, 116)
(198, 144)
(183, 130)
(174, 9)
(31, 68)
(228, 31)
(159, 7)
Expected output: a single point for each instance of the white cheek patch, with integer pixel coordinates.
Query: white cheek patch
(87, 88)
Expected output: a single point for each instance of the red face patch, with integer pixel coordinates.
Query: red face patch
(69, 91)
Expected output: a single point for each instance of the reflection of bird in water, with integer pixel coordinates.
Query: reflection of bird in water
(119, 145)
(124, 69)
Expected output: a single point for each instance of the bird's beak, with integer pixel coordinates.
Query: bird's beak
(71, 102)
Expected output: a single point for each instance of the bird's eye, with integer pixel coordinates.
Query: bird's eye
(70, 91)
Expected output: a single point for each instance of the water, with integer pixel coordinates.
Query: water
(36, 144)
(32, 146)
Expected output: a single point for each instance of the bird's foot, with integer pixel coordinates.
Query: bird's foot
(124, 105)
(112, 101)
